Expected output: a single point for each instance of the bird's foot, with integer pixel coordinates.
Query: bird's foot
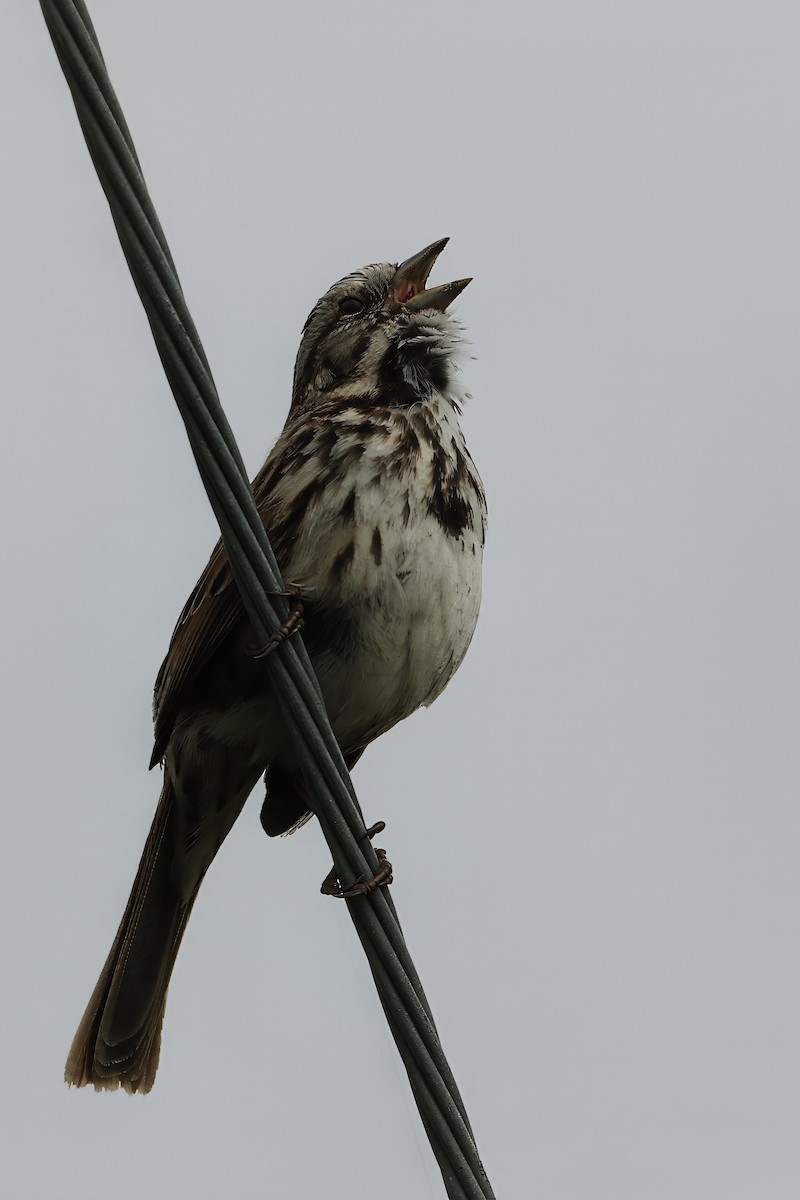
(294, 622)
(332, 887)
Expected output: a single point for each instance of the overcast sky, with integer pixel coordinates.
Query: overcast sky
(595, 830)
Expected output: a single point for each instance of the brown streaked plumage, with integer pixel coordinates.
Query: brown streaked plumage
(377, 515)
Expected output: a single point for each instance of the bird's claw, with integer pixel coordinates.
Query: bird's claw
(294, 622)
(332, 887)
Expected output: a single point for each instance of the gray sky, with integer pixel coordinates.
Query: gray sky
(595, 830)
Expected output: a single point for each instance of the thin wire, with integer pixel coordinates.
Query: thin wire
(258, 578)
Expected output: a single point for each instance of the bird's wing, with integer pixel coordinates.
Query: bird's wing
(208, 616)
(212, 611)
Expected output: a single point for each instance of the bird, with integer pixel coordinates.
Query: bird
(377, 516)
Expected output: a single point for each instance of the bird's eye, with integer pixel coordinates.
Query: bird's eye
(350, 305)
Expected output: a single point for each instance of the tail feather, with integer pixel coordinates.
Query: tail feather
(119, 1038)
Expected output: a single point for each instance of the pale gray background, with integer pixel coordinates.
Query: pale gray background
(596, 829)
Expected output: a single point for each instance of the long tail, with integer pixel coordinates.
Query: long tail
(119, 1039)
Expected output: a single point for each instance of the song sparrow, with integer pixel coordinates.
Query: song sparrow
(377, 515)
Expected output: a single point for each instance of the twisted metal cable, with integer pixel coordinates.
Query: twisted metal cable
(258, 579)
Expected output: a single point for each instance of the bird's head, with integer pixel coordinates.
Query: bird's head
(380, 333)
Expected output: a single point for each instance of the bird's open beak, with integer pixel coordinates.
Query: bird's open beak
(410, 278)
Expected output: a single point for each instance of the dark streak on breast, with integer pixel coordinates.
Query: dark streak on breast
(348, 509)
(299, 505)
(451, 510)
(453, 486)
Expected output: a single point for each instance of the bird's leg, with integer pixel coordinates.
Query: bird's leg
(332, 887)
(294, 622)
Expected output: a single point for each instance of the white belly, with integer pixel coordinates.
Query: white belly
(415, 625)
